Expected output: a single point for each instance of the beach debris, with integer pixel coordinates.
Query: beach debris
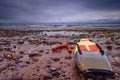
(69, 48)
(93, 48)
(59, 47)
(63, 46)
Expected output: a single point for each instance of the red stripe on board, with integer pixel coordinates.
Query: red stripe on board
(93, 47)
(83, 47)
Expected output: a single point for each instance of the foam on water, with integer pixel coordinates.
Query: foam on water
(65, 33)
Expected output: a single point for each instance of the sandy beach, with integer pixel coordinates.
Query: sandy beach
(27, 54)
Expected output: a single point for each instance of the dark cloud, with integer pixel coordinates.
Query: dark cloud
(58, 10)
(102, 4)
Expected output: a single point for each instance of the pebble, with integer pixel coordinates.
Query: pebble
(117, 42)
(18, 76)
(6, 42)
(56, 59)
(33, 54)
(22, 65)
(10, 56)
(2, 69)
(41, 51)
(108, 42)
(17, 61)
(28, 62)
(63, 75)
(68, 57)
(14, 56)
(12, 68)
(67, 78)
(118, 48)
(47, 77)
(1, 50)
(53, 69)
(35, 59)
(1, 59)
(55, 74)
(61, 62)
(22, 52)
(21, 41)
(47, 52)
(109, 47)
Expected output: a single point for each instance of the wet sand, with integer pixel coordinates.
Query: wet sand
(27, 54)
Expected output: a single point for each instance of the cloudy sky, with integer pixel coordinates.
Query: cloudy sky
(59, 10)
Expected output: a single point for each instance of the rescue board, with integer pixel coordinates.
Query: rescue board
(90, 58)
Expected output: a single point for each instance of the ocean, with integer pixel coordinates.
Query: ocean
(59, 26)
